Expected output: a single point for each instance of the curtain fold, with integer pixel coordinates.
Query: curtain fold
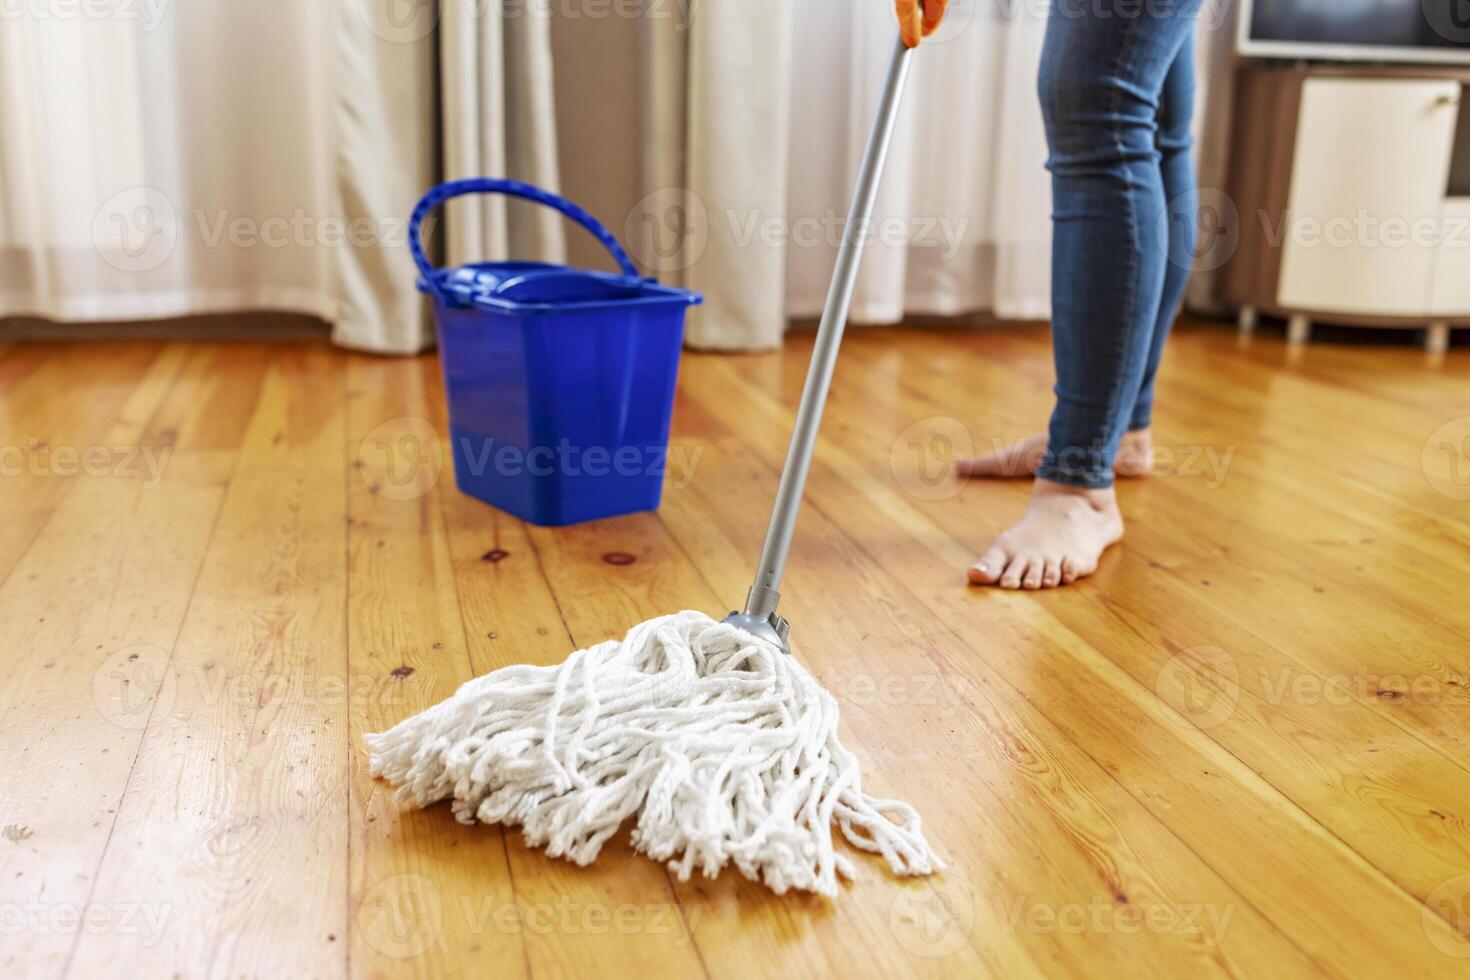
(384, 115)
(712, 144)
(499, 121)
(266, 156)
(961, 223)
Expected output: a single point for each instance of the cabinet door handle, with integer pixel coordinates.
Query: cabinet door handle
(1447, 99)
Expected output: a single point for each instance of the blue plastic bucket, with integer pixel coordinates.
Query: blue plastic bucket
(560, 380)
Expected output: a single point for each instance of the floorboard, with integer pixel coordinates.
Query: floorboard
(1240, 749)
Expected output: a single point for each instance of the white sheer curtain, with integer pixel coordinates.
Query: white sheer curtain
(167, 159)
(142, 160)
(962, 222)
(192, 158)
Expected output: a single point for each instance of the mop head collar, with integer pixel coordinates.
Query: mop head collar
(720, 747)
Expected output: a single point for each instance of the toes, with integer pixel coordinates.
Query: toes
(1052, 573)
(1011, 578)
(989, 567)
(1069, 570)
(1032, 578)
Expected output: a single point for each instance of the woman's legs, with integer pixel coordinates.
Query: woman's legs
(1103, 74)
(1176, 164)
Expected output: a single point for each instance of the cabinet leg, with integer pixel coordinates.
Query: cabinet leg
(1298, 329)
(1245, 320)
(1437, 338)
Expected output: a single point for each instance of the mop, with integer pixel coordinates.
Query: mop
(710, 736)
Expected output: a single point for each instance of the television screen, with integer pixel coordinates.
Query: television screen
(1388, 30)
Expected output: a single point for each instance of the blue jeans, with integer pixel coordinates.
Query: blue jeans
(1117, 92)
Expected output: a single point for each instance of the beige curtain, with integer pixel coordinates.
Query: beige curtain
(673, 130)
(384, 114)
(726, 148)
(499, 121)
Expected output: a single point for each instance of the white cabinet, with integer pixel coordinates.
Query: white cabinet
(1365, 213)
(1449, 291)
(1341, 177)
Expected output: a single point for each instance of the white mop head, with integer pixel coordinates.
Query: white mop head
(722, 747)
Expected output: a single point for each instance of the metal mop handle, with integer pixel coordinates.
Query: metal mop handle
(760, 615)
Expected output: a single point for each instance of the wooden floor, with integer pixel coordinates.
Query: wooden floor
(1242, 748)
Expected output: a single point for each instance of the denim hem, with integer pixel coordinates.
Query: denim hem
(1088, 481)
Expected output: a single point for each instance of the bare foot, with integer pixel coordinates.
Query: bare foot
(1059, 540)
(1023, 458)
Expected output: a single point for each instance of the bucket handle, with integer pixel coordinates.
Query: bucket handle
(512, 188)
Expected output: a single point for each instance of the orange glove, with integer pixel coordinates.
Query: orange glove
(918, 19)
